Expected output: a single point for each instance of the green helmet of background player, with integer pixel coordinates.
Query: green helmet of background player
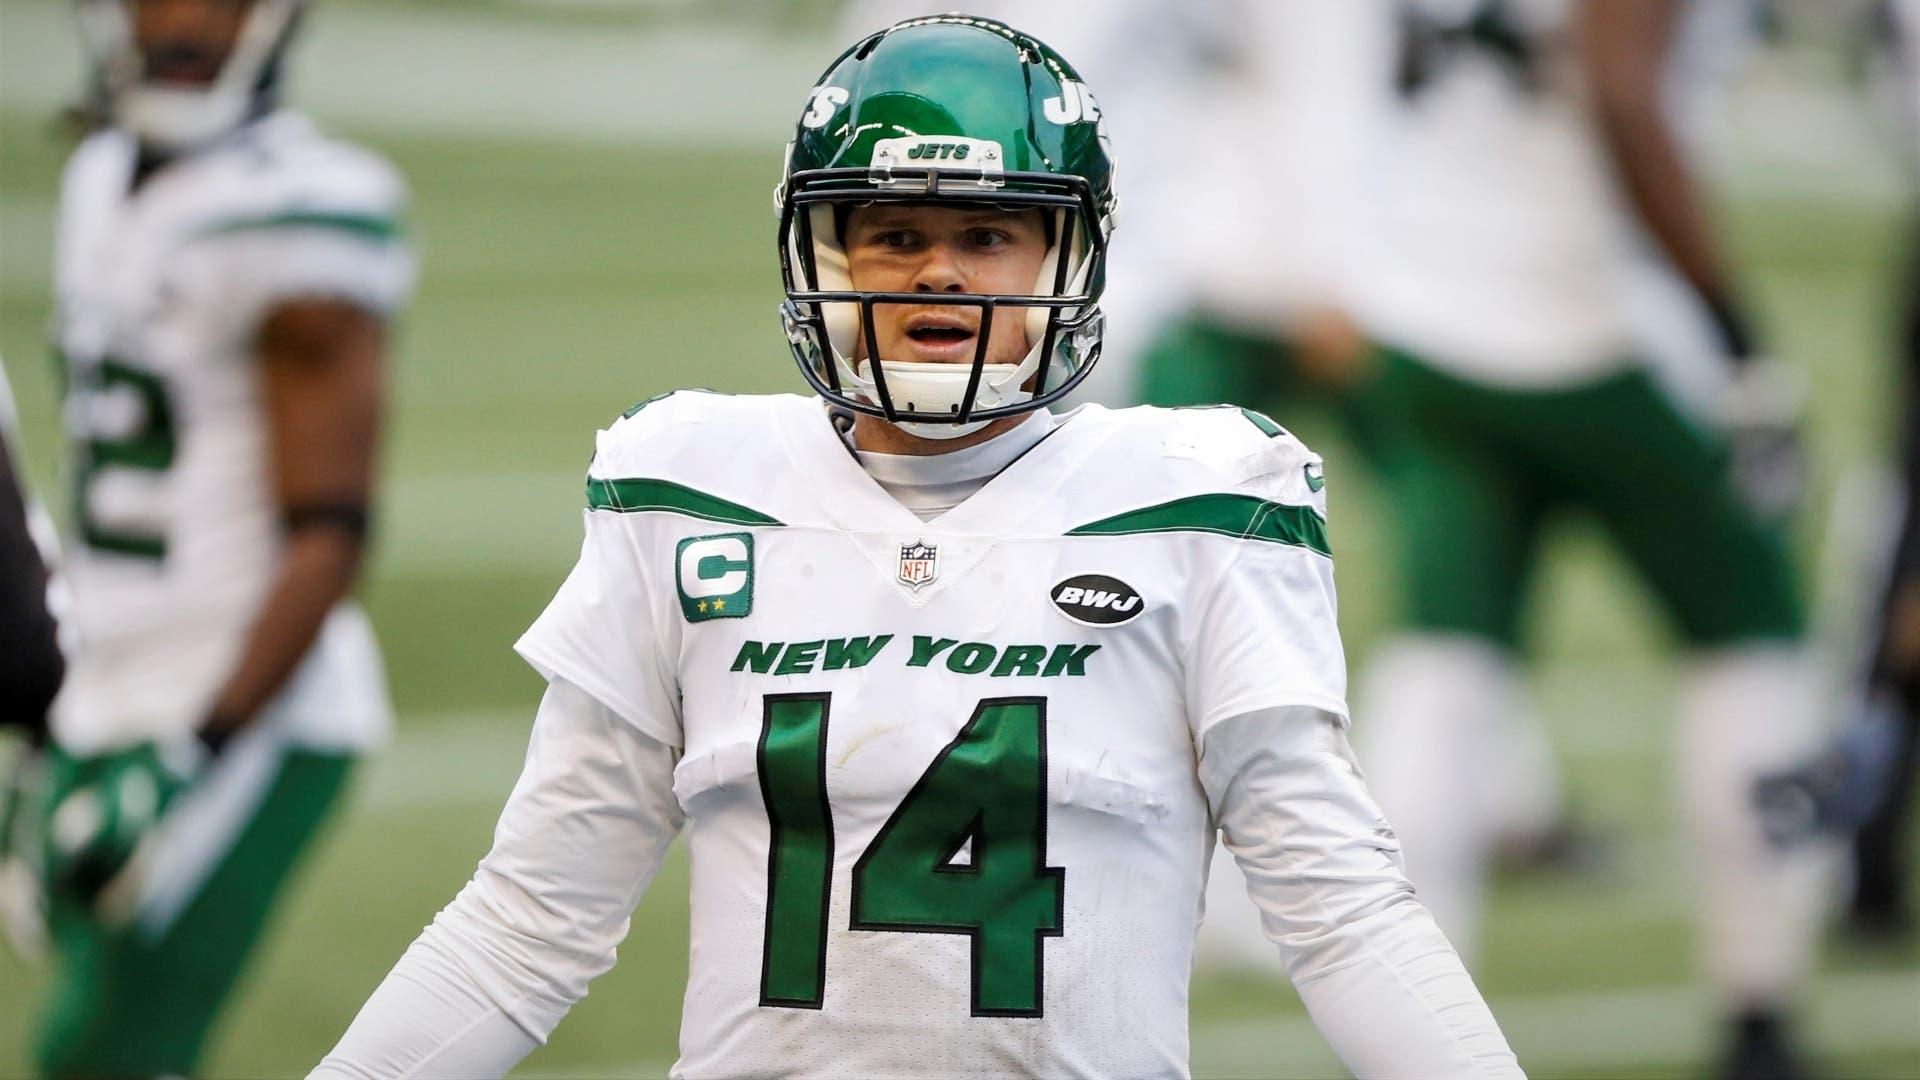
(953, 110)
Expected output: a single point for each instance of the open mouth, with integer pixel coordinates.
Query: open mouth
(181, 66)
(941, 336)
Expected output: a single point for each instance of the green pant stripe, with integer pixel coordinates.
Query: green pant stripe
(122, 1005)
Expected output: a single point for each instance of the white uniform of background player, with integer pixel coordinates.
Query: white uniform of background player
(159, 294)
(1504, 261)
(191, 220)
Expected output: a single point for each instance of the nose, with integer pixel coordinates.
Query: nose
(940, 271)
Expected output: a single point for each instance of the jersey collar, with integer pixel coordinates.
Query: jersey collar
(851, 500)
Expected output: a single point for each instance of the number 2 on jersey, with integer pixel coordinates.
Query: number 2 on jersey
(149, 447)
(965, 852)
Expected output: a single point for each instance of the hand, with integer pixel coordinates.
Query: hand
(1835, 793)
(1760, 413)
(99, 813)
(1330, 351)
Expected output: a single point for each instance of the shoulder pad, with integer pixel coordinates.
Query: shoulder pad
(290, 176)
(1211, 470)
(95, 151)
(691, 452)
(1247, 452)
(664, 431)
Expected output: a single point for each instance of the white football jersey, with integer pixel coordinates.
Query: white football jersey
(161, 290)
(1498, 244)
(940, 777)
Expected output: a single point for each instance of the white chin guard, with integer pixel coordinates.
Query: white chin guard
(940, 388)
(174, 119)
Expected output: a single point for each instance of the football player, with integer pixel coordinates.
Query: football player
(949, 691)
(1881, 903)
(225, 277)
(1560, 330)
(31, 667)
(1863, 786)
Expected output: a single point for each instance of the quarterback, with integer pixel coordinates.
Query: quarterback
(224, 279)
(950, 693)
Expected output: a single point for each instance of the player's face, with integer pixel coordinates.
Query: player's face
(185, 42)
(938, 250)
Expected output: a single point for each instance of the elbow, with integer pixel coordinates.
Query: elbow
(1625, 108)
(1346, 933)
(329, 551)
(545, 954)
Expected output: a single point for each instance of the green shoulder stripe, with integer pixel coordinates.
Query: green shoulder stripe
(638, 495)
(1266, 425)
(369, 226)
(1246, 517)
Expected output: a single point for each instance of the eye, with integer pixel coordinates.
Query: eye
(897, 239)
(986, 238)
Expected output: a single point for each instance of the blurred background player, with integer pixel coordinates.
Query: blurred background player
(225, 277)
(1863, 786)
(1535, 229)
(31, 668)
(1881, 904)
(1532, 248)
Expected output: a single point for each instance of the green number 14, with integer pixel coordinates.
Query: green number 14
(965, 852)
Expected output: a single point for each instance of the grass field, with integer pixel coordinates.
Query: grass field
(568, 275)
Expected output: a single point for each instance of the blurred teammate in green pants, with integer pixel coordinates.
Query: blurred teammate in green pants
(1532, 252)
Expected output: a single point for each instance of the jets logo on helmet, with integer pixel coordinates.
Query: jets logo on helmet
(897, 119)
(172, 117)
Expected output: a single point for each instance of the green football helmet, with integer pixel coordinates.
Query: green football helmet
(959, 111)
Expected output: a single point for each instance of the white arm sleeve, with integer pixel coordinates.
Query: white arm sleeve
(581, 836)
(1380, 980)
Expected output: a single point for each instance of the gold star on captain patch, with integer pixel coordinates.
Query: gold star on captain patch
(703, 607)
(719, 605)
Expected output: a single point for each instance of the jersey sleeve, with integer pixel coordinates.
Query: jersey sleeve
(336, 233)
(1267, 634)
(604, 631)
(580, 839)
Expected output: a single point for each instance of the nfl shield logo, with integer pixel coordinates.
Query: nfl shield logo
(919, 564)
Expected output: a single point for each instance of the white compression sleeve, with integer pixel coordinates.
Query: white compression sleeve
(583, 833)
(1382, 984)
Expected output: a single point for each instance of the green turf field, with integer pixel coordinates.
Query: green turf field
(567, 278)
